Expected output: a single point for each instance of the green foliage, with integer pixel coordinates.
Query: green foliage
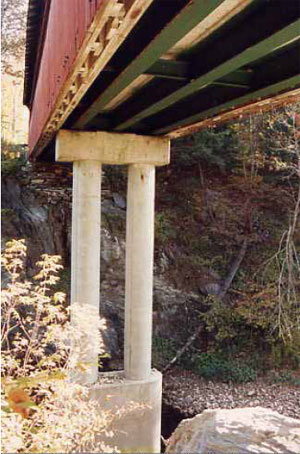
(286, 377)
(116, 176)
(7, 212)
(63, 284)
(268, 144)
(11, 166)
(13, 157)
(286, 353)
(164, 229)
(164, 351)
(214, 366)
(223, 322)
(114, 221)
(213, 146)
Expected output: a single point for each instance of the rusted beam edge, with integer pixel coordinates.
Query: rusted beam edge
(102, 39)
(261, 100)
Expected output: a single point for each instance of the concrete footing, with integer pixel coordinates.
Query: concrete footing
(138, 428)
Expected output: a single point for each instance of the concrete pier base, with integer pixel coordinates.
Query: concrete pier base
(138, 430)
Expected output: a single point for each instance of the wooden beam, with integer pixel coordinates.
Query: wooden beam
(267, 46)
(226, 11)
(103, 38)
(274, 102)
(193, 13)
(111, 148)
(194, 122)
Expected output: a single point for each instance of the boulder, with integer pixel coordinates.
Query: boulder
(209, 282)
(237, 431)
(119, 200)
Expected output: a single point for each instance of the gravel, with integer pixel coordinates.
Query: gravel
(190, 394)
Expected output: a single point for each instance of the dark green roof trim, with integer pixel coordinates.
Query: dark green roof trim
(37, 10)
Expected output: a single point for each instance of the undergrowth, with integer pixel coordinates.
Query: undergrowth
(214, 366)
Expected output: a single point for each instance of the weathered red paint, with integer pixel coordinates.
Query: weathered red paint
(67, 25)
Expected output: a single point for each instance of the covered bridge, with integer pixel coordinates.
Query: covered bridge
(111, 82)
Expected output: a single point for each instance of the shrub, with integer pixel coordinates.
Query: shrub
(164, 351)
(42, 409)
(13, 157)
(164, 230)
(11, 166)
(285, 377)
(213, 366)
(208, 145)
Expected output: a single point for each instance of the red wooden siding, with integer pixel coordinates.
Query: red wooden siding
(67, 25)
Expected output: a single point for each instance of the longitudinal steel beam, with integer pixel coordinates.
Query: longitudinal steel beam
(271, 90)
(263, 48)
(190, 16)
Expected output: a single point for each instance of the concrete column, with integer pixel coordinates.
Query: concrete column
(85, 254)
(139, 271)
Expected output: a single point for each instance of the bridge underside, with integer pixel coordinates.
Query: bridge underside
(184, 65)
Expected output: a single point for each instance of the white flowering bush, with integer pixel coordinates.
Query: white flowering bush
(43, 410)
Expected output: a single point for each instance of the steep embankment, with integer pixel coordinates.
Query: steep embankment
(213, 286)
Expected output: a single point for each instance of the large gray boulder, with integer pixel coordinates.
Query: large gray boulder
(237, 431)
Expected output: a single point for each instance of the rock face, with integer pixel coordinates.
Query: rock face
(237, 431)
(40, 216)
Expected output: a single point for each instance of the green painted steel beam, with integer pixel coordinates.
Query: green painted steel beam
(230, 84)
(190, 16)
(170, 69)
(263, 48)
(271, 90)
(181, 70)
(240, 77)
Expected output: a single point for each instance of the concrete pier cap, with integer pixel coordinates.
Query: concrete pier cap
(137, 389)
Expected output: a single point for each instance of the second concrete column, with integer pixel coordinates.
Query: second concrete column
(139, 271)
(85, 255)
